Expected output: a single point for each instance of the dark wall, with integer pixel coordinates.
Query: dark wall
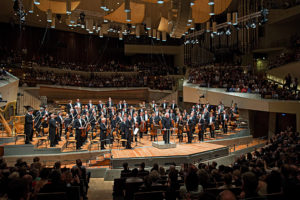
(258, 123)
(284, 120)
(66, 46)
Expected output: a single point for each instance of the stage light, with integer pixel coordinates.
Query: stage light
(253, 25)
(127, 6)
(149, 33)
(212, 35)
(37, 2)
(133, 26)
(212, 10)
(49, 15)
(68, 7)
(102, 4)
(160, 2)
(101, 33)
(211, 2)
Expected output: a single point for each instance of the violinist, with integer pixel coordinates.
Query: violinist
(103, 129)
(67, 122)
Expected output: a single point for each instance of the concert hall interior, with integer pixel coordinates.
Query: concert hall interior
(149, 99)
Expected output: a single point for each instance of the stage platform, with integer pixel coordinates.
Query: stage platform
(183, 153)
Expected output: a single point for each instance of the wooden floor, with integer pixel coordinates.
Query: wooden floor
(149, 151)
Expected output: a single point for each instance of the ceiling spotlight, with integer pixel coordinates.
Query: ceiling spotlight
(102, 4)
(127, 6)
(212, 35)
(160, 1)
(192, 2)
(31, 6)
(49, 15)
(253, 25)
(37, 2)
(211, 2)
(68, 7)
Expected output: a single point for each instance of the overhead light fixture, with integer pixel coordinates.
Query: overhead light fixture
(234, 18)
(158, 35)
(149, 33)
(68, 7)
(31, 6)
(214, 27)
(137, 31)
(160, 2)
(208, 26)
(102, 4)
(164, 36)
(120, 36)
(229, 18)
(212, 9)
(128, 17)
(49, 15)
(37, 2)
(53, 22)
(127, 6)
(101, 33)
(133, 26)
(192, 3)
(211, 2)
(148, 23)
(154, 33)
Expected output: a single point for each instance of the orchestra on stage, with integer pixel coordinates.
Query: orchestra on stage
(128, 124)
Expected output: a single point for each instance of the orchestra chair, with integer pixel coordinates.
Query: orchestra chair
(195, 136)
(70, 140)
(96, 140)
(19, 131)
(120, 140)
(206, 133)
(42, 140)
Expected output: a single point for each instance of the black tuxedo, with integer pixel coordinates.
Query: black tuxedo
(173, 106)
(224, 122)
(77, 126)
(99, 107)
(52, 132)
(60, 122)
(128, 127)
(167, 124)
(28, 128)
(69, 107)
(111, 104)
(164, 105)
(103, 130)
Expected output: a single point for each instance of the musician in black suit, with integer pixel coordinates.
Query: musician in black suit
(78, 125)
(128, 129)
(167, 125)
(164, 105)
(109, 103)
(69, 106)
(103, 129)
(60, 122)
(52, 130)
(90, 104)
(78, 104)
(190, 123)
(67, 122)
(123, 129)
(224, 119)
(201, 128)
(99, 106)
(180, 128)
(120, 106)
(28, 126)
(173, 105)
(211, 124)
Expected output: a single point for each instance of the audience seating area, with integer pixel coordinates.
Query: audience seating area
(269, 173)
(240, 79)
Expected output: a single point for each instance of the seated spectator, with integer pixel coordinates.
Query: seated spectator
(142, 172)
(134, 177)
(126, 171)
(55, 185)
(250, 186)
(227, 182)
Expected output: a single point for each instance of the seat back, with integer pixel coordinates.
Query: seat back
(51, 196)
(157, 195)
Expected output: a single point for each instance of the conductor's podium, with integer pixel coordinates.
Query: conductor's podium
(165, 145)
